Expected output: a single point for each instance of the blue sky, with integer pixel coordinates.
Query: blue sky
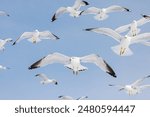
(28, 15)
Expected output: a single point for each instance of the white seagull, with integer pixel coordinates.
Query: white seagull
(134, 88)
(74, 63)
(133, 27)
(125, 41)
(36, 36)
(62, 97)
(3, 67)
(45, 79)
(3, 42)
(3, 13)
(74, 10)
(102, 14)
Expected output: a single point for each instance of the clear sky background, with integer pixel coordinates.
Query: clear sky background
(28, 15)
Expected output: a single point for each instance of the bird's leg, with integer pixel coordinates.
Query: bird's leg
(121, 51)
(33, 39)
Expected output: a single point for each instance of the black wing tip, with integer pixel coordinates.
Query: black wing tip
(81, 12)
(86, 3)
(14, 43)
(32, 67)
(110, 70)
(56, 37)
(128, 10)
(53, 18)
(56, 83)
(88, 29)
(145, 16)
(110, 85)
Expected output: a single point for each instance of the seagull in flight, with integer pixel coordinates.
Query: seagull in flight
(45, 79)
(73, 10)
(3, 13)
(125, 41)
(3, 42)
(36, 36)
(102, 13)
(74, 63)
(133, 27)
(3, 67)
(62, 97)
(134, 88)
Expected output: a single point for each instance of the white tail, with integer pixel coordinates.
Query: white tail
(117, 50)
(76, 69)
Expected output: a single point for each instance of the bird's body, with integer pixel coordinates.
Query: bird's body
(36, 36)
(102, 13)
(73, 11)
(74, 63)
(124, 41)
(134, 88)
(46, 80)
(4, 42)
(3, 13)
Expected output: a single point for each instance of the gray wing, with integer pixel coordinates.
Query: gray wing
(91, 10)
(51, 58)
(79, 3)
(43, 76)
(141, 38)
(142, 21)
(122, 29)
(2, 13)
(48, 35)
(145, 43)
(59, 12)
(65, 97)
(144, 86)
(107, 32)
(121, 87)
(139, 81)
(81, 98)
(25, 35)
(93, 58)
(116, 8)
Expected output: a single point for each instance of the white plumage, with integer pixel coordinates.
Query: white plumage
(74, 10)
(102, 13)
(62, 97)
(45, 79)
(133, 88)
(125, 41)
(36, 36)
(74, 63)
(3, 42)
(3, 13)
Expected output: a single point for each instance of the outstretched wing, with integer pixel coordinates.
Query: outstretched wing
(107, 32)
(81, 98)
(142, 21)
(144, 86)
(79, 3)
(51, 58)
(139, 81)
(25, 35)
(116, 8)
(43, 76)
(122, 29)
(93, 58)
(48, 35)
(141, 38)
(3, 13)
(91, 10)
(60, 11)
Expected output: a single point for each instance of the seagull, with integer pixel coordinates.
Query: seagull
(125, 41)
(133, 27)
(36, 36)
(74, 10)
(3, 42)
(74, 63)
(102, 14)
(3, 67)
(45, 79)
(71, 98)
(133, 88)
(3, 13)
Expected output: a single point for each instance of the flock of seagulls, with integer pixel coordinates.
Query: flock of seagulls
(75, 63)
